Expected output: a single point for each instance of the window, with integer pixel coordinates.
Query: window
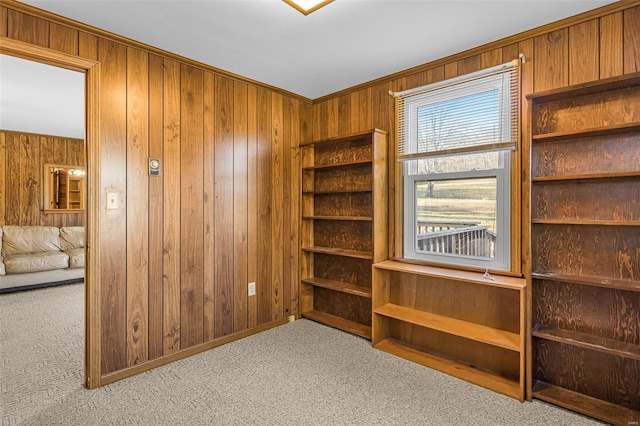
(456, 139)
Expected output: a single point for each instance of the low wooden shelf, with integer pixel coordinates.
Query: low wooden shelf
(338, 322)
(356, 290)
(611, 413)
(459, 322)
(587, 341)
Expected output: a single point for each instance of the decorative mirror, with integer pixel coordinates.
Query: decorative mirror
(63, 188)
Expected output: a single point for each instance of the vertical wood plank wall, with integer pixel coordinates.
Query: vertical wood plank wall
(22, 159)
(599, 48)
(177, 256)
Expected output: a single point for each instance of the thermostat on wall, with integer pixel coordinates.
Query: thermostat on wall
(154, 167)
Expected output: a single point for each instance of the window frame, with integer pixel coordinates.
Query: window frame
(502, 258)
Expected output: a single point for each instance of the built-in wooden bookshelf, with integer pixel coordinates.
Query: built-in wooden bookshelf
(585, 203)
(344, 222)
(462, 323)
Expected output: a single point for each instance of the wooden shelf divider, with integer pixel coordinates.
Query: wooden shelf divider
(356, 290)
(587, 341)
(615, 175)
(345, 218)
(468, 330)
(587, 222)
(338, 191)
(585, 404)
(339, 252)
(585, 133)
(611, 283)
(344, 164)
(338, 322)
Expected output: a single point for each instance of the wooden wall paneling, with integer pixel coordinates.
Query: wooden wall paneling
(344, 115)
(631, 41)
(316, 123)
(324, 121)
(292, 230)
(113, 134)
(277, 213)
(30, 179)
(46, 156)
(365, 106)
(172, 212)
(551, 60)
(333, 117)
(510, 52)
(240, 206)
(156, 207)
(209, 197)
(525, 47)
(491, 58)
(285, 223)
(12, 178)
(611, 63)
(224, 237)
(451, 70)
(63, 38)
(87, 46)
(584, 52)
(137, 207)
(3, 21)
(3, 186)
(263, 284)
(27, 28)
(252, 202)
(191, 202)
(416, 80)
(470, 64)
(354, 110)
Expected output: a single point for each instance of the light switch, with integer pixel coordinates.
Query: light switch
(113, 200)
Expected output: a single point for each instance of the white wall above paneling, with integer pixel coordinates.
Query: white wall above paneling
(38, 98)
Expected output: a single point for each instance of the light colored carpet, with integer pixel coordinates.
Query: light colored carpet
(301, 373)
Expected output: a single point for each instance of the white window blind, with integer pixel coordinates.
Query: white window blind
(472, 113)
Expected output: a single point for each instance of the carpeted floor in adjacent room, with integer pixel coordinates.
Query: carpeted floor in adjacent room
(301, 373)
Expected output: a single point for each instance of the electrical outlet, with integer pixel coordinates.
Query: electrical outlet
(252, 289)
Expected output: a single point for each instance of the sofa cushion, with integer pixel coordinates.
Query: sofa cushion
(71, 237)
(45, 261)
(2, 270)
(76, 257)
(0, 240)
(29, 239)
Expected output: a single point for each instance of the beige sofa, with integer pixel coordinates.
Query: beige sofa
(40, 256)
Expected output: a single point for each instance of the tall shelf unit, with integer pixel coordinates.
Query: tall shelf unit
(344, 222)
(585, 224)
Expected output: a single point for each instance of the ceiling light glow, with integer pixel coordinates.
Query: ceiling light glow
(307, 6)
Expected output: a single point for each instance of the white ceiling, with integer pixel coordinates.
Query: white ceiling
(343, 44)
